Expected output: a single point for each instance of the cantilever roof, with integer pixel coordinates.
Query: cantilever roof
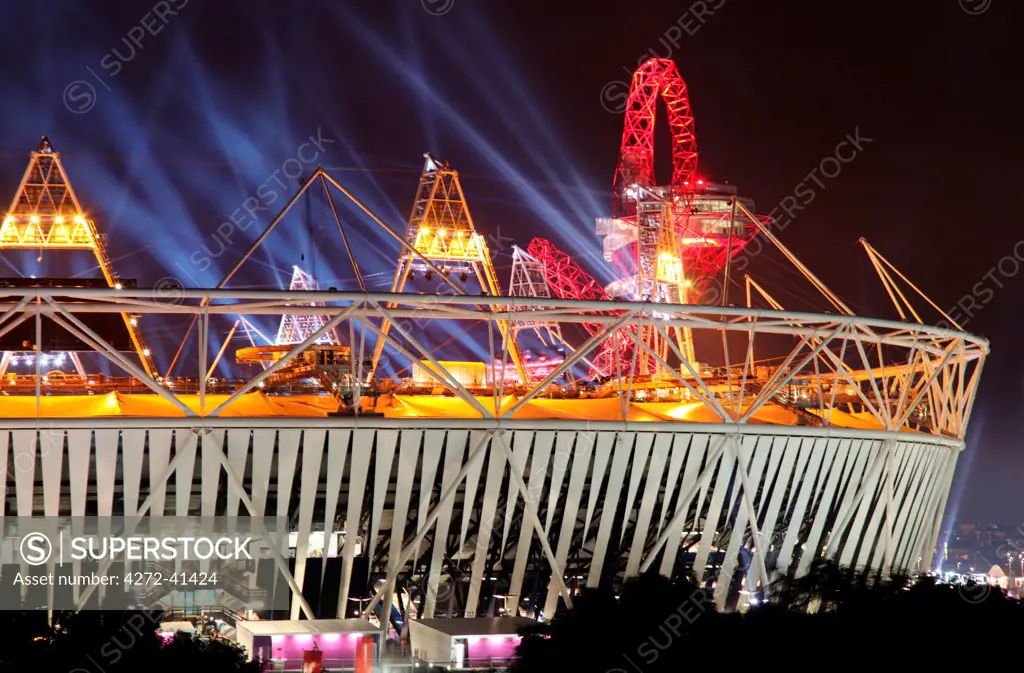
(477, 626)
(285, 627)
(261, 405)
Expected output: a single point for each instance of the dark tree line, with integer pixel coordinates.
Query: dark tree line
(109, 642)
(832, 617)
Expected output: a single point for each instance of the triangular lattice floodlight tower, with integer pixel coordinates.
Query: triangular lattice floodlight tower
(441, 230)
(46, 215)
(296, 328)
(528, 280)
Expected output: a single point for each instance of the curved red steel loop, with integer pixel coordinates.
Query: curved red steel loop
(655, 77)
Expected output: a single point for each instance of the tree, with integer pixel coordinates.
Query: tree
(830, 617)
(111, 642)
(605, 632)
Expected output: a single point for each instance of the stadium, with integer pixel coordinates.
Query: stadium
(464, 447)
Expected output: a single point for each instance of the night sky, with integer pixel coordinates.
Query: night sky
(165, 139)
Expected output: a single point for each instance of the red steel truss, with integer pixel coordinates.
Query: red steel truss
(665, 242)
(701, 236)
(568, 280)
(655, 77)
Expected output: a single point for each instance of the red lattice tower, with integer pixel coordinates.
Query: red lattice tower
(568, 280)
(701, 240)
(666, 242)
(655, 77)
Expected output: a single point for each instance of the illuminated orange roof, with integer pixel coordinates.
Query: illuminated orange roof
(144, 405)
(255, 405)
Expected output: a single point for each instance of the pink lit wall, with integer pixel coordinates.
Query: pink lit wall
(338, 649)
(491, 647)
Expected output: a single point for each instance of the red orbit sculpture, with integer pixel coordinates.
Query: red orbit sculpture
(656, 77)
(699, 229)
(666, 242)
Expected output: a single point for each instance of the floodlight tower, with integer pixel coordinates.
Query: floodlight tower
(46, 215)
(528, 281)
(442, 233)
(296, 328)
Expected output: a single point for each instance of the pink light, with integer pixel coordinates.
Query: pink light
(332, 636)
(495, 639)
(304, 638)
(276, 639)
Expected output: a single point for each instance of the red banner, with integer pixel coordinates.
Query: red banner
(364, 654)
(312, 661)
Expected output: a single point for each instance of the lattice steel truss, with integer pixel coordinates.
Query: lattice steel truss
(868, 419)
(567, 280)
(666, 242)
(656, 77)
(296, 328)
(441, 237)
(45, 215)
(528, 280)
(931, 374)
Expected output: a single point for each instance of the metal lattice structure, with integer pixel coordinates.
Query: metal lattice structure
(667, 242)
(441, 238)
(296, 328)
(655, 78)
(45, 215)
(812, 436)
(528, 280)
(705, 470)
(565, 276)
(567, 280)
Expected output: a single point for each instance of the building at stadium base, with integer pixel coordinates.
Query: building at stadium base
(608, 431)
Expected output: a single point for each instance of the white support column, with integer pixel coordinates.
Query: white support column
(748, 503)
(279, 561)
(889, 514)
(531, 514)
(714, 453)
(386, 592)
(204, 348)
(940, 511)
(846, 515)
(132, 522)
